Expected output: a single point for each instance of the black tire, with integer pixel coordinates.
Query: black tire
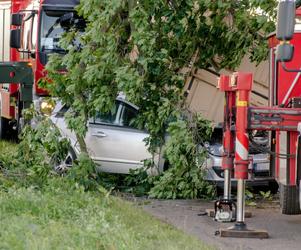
(273, 187)
(289, 199)
(4, 128)
(4, 125)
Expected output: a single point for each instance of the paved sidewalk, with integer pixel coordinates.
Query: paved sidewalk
(284, 230)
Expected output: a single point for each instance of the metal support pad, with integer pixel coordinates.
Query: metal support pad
(235, 232)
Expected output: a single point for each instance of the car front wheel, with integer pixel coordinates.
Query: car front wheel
(63, 165)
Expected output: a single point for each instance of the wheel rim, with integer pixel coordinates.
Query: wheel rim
(64, 165)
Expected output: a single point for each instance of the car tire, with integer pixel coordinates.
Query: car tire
(289, 199)
(62, 166)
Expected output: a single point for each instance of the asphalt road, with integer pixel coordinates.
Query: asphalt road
(284, 230)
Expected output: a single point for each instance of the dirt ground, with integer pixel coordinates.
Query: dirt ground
(284, 230)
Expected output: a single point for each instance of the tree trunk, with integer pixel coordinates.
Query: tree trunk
(82, 143)
(80, 138)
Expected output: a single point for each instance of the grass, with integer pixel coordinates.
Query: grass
(60, 217)
(7, 147)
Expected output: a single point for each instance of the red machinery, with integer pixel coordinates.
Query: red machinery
(282, 117)
(35, 33)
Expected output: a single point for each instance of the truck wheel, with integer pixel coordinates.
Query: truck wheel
(4, 125)
(289, 199)
(4, 128)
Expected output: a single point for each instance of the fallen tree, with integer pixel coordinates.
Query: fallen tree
(140, 47)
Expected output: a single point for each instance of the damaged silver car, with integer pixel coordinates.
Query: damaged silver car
(259, 167)
(113, 141)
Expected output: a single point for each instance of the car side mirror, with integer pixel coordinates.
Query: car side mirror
(16, 19)
(284, 52)
(285, 20)
(15, 38)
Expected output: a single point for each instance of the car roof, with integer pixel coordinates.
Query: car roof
(122, 99)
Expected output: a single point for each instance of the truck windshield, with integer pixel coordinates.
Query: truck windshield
(51, 31)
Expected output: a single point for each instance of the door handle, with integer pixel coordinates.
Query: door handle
(99, 134)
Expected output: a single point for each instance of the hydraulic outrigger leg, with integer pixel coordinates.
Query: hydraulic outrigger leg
(225, 208)
(241, 83)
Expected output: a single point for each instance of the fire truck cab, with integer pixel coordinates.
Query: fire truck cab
(35, 34)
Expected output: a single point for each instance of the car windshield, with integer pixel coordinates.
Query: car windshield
(51, 31)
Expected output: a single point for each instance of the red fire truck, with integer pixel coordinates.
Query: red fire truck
(35, 33)
(282, 118)
(285, 96)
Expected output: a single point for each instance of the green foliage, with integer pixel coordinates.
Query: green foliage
(266, 195)
(140, 48)
(249, 194)
(41, 146)
(30, 164)
(139, 181)
(83, 173)
(250, 198)
(7, 149)
(185, 178)
(254, 199)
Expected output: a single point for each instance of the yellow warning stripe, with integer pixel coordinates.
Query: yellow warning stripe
(241, 103)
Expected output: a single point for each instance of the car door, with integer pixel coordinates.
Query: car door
(113, 141)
